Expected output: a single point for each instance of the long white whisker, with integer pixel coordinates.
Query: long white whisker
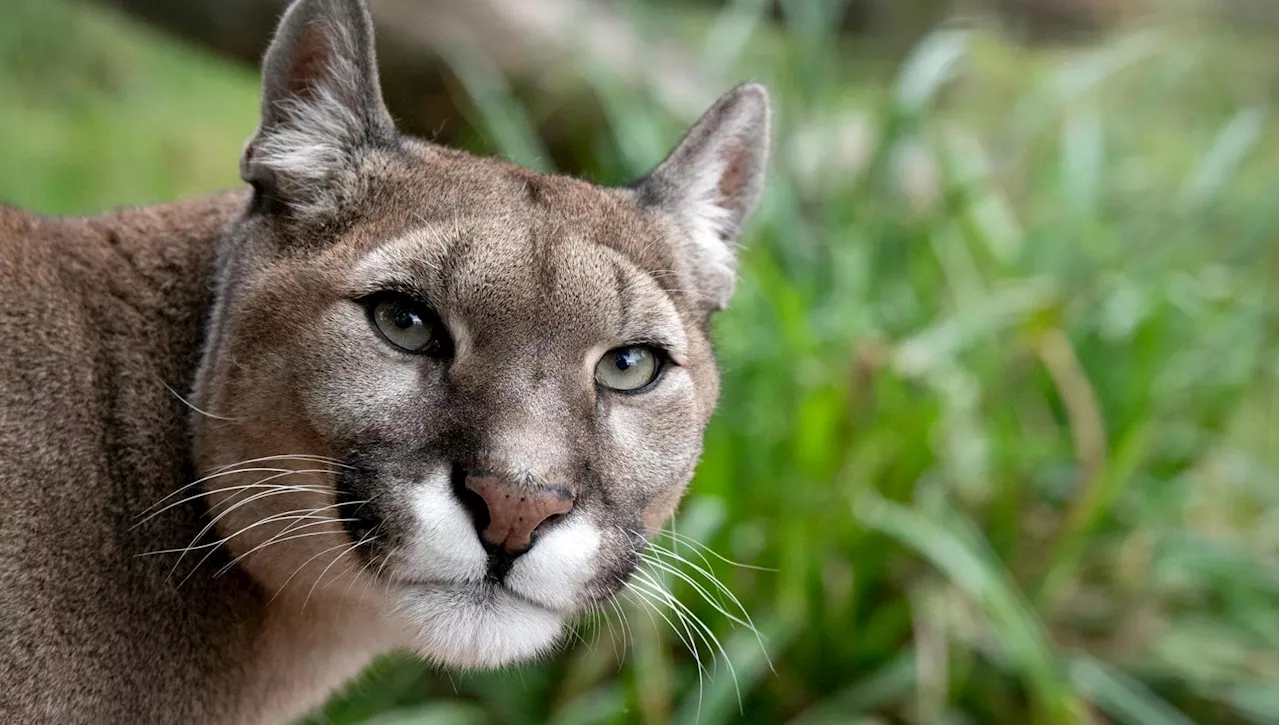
(680, 606)
(364, 590)
(260, 484)
(212, 476)
(303, 566)
(386, 558)
(596, 615)
(645, 605)
(325, 570)
(308, 457)
(625, 626)
(192, 406)
(748, 623)
(682, 612)
(292, 537)
(359, 573)
(706, 595)
(309, 514)
(689, 643)
(696, 545)
(247, 500)
(693, 634)
(601, 615)
(295, 513)
(280, 537)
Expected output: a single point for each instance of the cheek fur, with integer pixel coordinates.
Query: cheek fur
(649, 446)
(354, 386)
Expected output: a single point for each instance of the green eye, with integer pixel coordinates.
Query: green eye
(628, 368)
(408, 325)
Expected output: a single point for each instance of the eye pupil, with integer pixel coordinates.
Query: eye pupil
(624, 360)
(406, 319)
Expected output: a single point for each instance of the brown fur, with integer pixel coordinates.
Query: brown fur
(256, 308)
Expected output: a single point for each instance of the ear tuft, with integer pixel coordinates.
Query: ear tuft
(321, 106)
(711, 182)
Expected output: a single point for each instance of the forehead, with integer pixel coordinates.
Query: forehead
(533, 257)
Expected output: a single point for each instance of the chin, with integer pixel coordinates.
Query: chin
(477, 626)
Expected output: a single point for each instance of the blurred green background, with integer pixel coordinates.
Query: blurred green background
(998, 435)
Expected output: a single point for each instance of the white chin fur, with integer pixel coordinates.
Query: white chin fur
(477, 627)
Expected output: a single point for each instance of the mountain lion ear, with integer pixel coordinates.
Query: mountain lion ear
(711, 182)
(321, 106)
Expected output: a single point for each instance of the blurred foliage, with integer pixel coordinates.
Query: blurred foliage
(999, 414)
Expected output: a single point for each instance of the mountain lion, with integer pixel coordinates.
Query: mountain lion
(391, 396)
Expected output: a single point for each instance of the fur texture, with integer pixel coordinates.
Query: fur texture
(236, 554)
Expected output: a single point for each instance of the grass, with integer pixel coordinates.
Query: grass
(999, 411)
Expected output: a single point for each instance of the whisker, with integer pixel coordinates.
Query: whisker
(325, 570)
(192, 406)
(280, 537)
(578, 636)
(217, 474)
(270, 519)
(625, 626)
(695, 544)
(643, 604)
(213, 548)
(386, 558)
(727, 592)
(303, 566)
(247, 500)
(362, 569)
(599, 615)
(359, 573)
(682, 612)
(678, 607)
(312, 458)
(711, 577)
(260, 484)
(326, 532)
(688, 643)
(653, 555)
(706, 595)
(691, 643)
(596, 616)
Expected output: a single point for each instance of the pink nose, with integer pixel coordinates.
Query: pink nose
(515, 512)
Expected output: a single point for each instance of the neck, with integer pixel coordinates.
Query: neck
(303, 652)
(161, 637)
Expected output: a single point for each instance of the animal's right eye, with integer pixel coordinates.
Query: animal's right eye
(629, 369)
(409, 325)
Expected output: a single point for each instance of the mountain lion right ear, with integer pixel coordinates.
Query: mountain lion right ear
(321, 106)
(710, 183)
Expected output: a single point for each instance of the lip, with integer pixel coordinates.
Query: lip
(484, 588)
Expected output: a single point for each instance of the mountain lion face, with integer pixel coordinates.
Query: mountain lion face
(457, 392)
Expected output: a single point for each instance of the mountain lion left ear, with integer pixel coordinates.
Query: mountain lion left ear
(711, 182)
(321, 104)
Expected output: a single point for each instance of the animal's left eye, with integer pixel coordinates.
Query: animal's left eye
(628, 369)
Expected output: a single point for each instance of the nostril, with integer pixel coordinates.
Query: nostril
(548, 521)
(472, 500)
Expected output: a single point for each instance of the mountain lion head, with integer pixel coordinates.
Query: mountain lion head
(452, 394)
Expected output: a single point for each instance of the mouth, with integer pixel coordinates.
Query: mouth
(482, 593)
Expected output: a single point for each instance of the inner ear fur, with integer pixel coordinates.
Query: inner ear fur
(711, 182)
(321, 106)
